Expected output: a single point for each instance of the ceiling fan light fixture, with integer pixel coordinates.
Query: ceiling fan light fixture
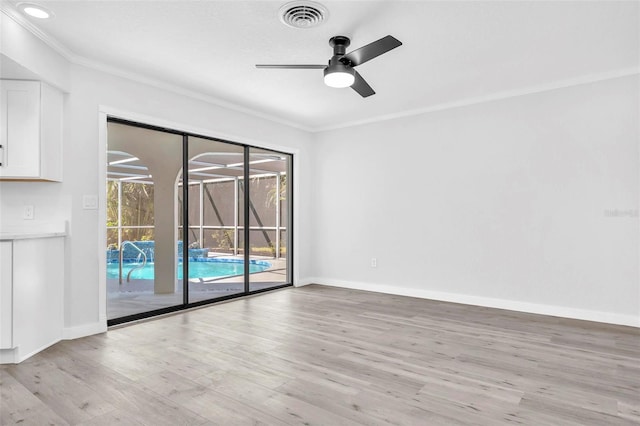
(339, 76)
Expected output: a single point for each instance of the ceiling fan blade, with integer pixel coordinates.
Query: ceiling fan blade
(293, 67)
(371, 50)
(361, 86)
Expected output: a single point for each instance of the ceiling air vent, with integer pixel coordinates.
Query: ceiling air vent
(303, 14)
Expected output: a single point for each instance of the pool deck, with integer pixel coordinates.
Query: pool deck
(138, 296)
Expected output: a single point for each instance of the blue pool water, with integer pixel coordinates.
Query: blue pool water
(206, 268)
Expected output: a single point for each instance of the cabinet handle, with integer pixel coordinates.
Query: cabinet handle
(1, 155)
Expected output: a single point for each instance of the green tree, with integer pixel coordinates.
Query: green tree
(136, 209)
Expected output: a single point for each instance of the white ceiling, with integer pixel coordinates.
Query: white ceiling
(453, 51)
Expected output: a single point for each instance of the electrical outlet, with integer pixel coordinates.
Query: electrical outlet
(28, 212)
(374, 262)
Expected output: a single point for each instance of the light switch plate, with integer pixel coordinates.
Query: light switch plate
(90, 202)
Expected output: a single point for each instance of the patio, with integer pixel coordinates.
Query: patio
(138, 295)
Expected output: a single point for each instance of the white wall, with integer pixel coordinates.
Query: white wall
(90, 91)
(505, 204)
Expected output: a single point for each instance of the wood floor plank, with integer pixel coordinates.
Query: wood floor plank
(115, 417)
(292, 410)
(69, 397)
(19, 406)
(223, 410)
(329, 356)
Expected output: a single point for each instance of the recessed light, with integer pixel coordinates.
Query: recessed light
(35, 10)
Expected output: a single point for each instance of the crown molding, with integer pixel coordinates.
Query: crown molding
(118, 72)
(577, 81)
(163, 85)
(19, 19)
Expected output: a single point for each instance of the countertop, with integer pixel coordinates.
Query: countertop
(34, 230)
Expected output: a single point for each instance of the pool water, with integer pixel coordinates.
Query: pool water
(209, 268)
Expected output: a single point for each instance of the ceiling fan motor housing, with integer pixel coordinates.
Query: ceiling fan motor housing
(339, 44)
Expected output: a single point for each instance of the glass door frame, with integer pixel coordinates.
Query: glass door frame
(246, 216)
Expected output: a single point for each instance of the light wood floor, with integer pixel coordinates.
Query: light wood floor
(327, 356)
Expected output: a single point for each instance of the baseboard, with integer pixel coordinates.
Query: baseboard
(304, 281)
(84, 330)
(511, 305)
(13, 356)
(9, 356)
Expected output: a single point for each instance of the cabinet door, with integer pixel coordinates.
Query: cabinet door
(20, 128)
(6, 295)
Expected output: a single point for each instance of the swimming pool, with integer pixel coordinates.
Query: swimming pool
(204, 268)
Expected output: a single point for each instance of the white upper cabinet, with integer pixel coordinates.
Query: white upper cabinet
(30, 131)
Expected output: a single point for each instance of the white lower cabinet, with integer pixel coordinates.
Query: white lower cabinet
(6, 295)
(31, 296)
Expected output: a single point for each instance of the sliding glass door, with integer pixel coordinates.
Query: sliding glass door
(141, 256)
(216, 265)
(178, 217)
(268, 217)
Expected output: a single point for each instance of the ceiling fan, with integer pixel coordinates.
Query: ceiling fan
(340, 72)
